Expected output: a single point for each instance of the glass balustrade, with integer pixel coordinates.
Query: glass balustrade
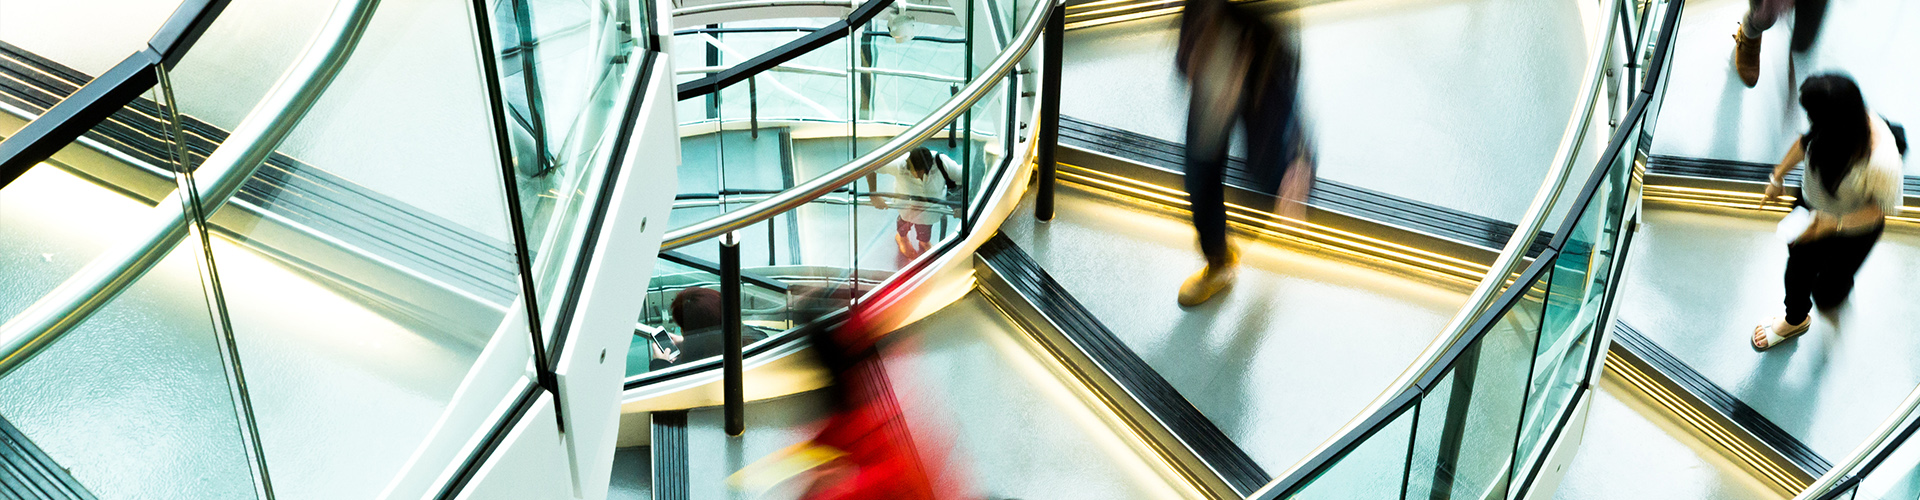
(1478, 424)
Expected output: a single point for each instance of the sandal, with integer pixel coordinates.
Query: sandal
(1774, 338)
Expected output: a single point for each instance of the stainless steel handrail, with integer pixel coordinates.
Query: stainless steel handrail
(756, 4)
(1511, 256)
(1865, 451)
(874, 160)
(229, 167)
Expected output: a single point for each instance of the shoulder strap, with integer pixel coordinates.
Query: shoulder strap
(940, 165)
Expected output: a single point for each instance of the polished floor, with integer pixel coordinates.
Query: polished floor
(1708, 113)
(1633, 449)
(1698, 281)
(330, 375)
(977, 394)
(1458, 103)
(1281, 361)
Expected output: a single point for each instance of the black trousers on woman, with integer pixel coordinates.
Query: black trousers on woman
(1821, 271)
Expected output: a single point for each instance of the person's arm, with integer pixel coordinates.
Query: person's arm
(873, 186)
(1776, 183)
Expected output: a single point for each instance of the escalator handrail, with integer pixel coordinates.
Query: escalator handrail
(224, 171)
(879, 157)
(1865, 459)
(1469, 324)
(789, 51)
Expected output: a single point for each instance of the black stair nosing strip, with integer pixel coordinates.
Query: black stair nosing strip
(30, 468)
(287, 187)
(1741, 171)
(1126, 367)
(1425, 217)
(1721, 401)
(671, 476)
(73, 77)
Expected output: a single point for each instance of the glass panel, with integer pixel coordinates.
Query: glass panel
(84, 37)
(1373, 470)
(566, 77)
(370, 260)
(88, 197)
(1898, 477)
(1578, 290)
(134, 401)
(910, 64)
(1469, 419)
(246, 50)
(986, 140)
(909, 208)
(765, 314)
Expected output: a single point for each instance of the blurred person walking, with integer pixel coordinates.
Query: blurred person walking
(1853, 181)
(1761, 14)
(1240, 66)
(865, 449)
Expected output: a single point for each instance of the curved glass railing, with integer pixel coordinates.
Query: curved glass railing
(1475, 416)
(309, 230)
(792, 158)
(1884, 466)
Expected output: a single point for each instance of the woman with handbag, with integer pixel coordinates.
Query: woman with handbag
(1852, 183)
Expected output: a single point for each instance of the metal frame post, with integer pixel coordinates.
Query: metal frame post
(730, 328)
(1050, 108)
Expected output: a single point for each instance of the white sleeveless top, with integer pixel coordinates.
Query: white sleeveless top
(1874, 182)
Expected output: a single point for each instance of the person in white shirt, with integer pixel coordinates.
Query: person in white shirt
(1852, 184)
(921, 181)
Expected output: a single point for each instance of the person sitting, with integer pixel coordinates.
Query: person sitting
(697, 312)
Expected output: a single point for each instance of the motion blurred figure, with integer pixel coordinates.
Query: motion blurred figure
(1851, 185)
(865, 450)
(1240, 67)
(1807, 16)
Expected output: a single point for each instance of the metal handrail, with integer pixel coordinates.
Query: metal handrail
(1843, 476)
(873, 160)
(1512, 256)
(228, 167)
(756, 4)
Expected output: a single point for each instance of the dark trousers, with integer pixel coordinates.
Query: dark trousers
(1821, 271)
(907, 229)
(1268, 115)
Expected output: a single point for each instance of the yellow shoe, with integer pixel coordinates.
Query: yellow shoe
(1210, 280)
(764, 474)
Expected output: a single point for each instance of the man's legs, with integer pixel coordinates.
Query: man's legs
(1206, 199)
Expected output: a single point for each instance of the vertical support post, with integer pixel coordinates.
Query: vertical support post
(953, 127)
(713, 61)
(1453, 432)
(1050, 109)
(753, 107)
(730, 326)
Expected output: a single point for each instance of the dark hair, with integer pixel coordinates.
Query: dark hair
(920, 161)
(696, 308)
(1837, 124)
